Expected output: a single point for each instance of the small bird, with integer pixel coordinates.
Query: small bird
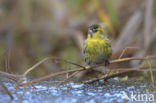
(97, 47)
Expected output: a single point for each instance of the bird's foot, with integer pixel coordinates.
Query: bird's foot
(107, 62)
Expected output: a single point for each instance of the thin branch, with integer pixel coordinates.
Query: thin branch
(48, 58)
(6, 89)
(124, 71)
(132, 58)
(143, 69)
(51, 75)
(16, 78)
(70, 76)
(107, 77)
(36, 65)
(124, 50)
(9, 76)
(150, 68)
(86, 68)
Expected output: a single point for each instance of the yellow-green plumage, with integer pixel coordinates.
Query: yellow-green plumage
(97, 48)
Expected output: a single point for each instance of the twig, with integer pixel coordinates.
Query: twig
(70, 76)
(36, 65)
(124, 50)
(107, 77)
(51, 75)
(48, 58)
(124, 71)
(133, 58)
(6, 89)
(9, 76)
(143, 69)
(86, 68)
(150, 68)
(16, 78)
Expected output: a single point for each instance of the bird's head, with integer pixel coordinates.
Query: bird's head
(96, 30)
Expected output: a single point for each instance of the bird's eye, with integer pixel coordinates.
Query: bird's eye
(94, 28)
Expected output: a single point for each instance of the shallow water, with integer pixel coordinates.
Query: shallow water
(98, 92)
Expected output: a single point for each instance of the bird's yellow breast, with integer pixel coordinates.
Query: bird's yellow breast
(96, 49)
(97, 46)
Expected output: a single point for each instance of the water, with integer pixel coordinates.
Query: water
(98, 92)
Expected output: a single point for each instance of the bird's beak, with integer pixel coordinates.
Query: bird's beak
(91, 33)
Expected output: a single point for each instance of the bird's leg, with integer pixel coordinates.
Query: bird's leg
(107, 62)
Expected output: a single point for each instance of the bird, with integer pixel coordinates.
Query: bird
(97, 46)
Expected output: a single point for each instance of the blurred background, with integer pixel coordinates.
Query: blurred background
(31, 30)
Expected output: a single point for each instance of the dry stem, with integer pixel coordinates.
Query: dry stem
(6, 89)
(86, 68)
